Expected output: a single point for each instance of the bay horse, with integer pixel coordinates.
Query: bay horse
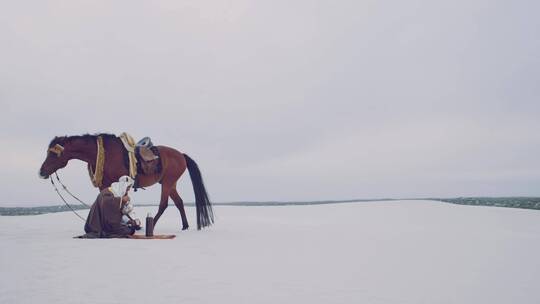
(173, 162)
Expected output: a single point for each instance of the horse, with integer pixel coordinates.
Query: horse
(173, 163)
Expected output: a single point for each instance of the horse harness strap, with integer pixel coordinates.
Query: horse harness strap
(97, 176)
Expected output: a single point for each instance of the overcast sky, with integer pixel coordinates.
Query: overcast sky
(280, 100)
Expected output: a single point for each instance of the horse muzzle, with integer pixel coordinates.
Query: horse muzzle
(43, 175)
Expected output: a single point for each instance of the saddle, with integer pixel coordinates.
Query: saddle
(147, 154)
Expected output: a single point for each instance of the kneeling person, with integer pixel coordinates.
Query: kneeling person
(105, 216)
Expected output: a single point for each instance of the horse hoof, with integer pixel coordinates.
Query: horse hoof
(185, 227)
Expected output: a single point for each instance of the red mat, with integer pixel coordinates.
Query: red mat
(155, 237)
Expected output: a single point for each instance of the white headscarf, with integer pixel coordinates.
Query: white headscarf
(119, 188)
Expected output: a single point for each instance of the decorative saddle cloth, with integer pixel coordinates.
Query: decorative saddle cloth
(129, 144)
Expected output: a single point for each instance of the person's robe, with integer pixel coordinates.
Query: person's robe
(105, 218)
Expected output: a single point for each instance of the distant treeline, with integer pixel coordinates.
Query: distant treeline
(510, 202)
(37, 210)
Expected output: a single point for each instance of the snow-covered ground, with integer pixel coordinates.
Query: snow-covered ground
(383, 252)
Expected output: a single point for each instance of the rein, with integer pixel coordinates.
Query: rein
(69, 206)
(69, 192)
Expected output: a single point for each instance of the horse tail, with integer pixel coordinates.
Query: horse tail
(205, 215)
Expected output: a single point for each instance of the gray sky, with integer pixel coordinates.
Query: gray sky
(280, 100)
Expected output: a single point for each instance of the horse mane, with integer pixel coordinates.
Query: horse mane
(61, 140)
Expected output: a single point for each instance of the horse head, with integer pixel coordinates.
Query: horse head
(58, 156)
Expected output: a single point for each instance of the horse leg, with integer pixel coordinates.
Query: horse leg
(164, 203)
(180, 205)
